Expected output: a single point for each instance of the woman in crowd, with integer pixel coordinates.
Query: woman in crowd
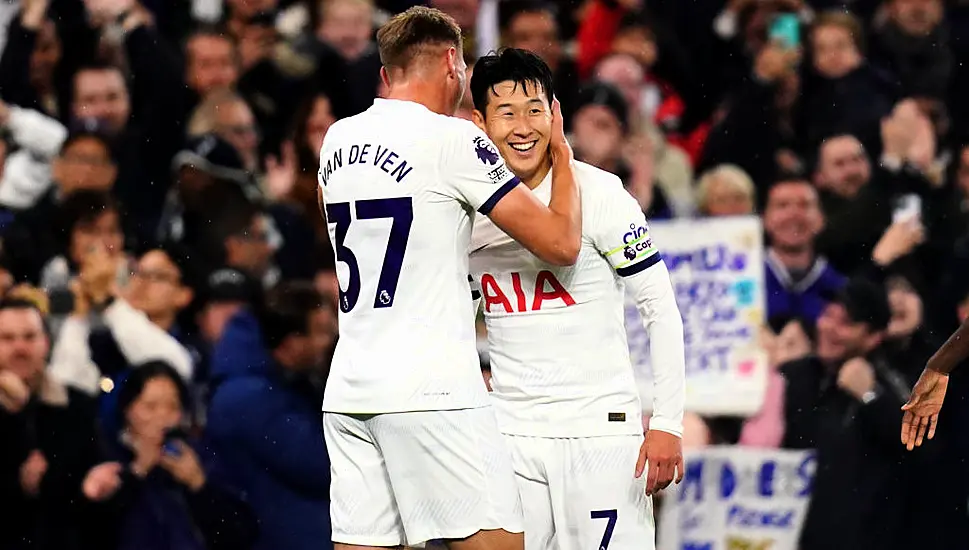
(154, 492)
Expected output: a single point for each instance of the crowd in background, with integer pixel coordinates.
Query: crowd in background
(169, 290)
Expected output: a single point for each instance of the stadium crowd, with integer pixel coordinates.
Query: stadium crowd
(170, 291)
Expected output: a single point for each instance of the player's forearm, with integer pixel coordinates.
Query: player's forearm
(566, 206)
(954, 351)
(661, 317)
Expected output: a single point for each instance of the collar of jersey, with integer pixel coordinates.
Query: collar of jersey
(382, 104)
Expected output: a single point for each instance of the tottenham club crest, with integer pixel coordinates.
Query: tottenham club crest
(486, 153)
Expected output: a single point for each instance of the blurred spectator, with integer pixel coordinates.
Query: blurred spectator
(211, 63)
(226, 293)
(845, 402)
(797, 280)
(26, 172)
(532, 25)
(239, 237)
(266, 356)
(136, 337)
(671, 167)
(725, 191)
(845, 94)
(465, 13)
(910, 41)
(48, 434)
(83, 164)
(859, 201)
(241, 13)
(347, 27)
(226, 115)
(205, 169)
(292, 177)
(600, 127)
(156, 493)
(790, 343)
(759, 130)
(146, 119)
(89, 225)
(32, 74)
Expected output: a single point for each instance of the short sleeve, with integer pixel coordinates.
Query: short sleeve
(473, 171)
(621, 233)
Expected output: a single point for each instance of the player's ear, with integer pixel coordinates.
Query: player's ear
(452, 62)
(477, 117)
(384, 76)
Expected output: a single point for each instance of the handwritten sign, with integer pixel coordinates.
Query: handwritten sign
(717, 269)
(737, 498)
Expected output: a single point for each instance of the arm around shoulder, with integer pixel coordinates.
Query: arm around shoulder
(553, 233)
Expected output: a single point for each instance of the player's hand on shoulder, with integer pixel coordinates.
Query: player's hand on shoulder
(662, 454)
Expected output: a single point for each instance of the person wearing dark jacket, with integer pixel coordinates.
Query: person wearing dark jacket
(154, 493)
(845, 402)
(47, 440)
(265, 415)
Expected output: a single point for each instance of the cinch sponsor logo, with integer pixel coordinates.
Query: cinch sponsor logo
(637, 241)
(635, 232)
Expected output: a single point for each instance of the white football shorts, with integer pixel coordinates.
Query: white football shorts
(406, 478)
(581, 493)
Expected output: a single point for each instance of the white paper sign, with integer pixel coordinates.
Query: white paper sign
(738, 498)
(717, 269)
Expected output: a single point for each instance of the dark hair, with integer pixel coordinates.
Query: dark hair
(401, 38)
(866, 301)
(286, 310)
(509, 65)
(93, 135)
(181, 256)
(19, 303)
(787, 178)
(210, 31)
(234, 215)
(134, 384)
(83, 207)
(636, 21)
(308, 161)
(508, 11)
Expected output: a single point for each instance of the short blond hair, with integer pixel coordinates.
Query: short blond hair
(404, 37)
(730, 174)
(204, 116)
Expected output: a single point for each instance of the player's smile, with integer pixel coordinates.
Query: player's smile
(523, 147)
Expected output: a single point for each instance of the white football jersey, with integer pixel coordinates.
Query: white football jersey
(556, 335)
(400, 186)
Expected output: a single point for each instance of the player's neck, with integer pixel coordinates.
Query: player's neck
(429, 96)
(536, 178)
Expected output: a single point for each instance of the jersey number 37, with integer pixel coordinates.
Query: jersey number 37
(401, 211)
